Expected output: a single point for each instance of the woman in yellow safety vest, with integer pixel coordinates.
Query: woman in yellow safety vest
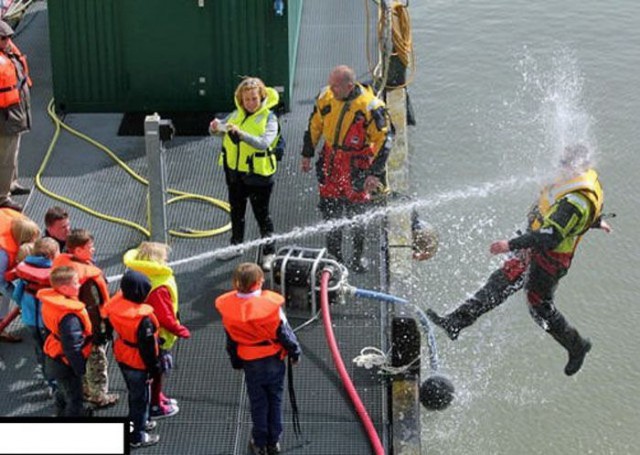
(249, 159)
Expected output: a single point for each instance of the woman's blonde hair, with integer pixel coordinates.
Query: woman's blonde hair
(250, 83)
(153, 251)
(24, 230)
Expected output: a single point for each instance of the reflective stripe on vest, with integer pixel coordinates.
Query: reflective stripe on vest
(252, 323)
(125, 317)
(55, 307)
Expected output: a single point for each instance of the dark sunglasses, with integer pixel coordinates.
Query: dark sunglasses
(4, 38)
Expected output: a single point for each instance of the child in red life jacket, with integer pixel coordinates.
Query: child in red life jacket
(259, 338)
(32, 275)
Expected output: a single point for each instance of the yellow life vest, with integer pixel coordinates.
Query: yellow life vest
(159, 275)
(242, 157)
(588, 199)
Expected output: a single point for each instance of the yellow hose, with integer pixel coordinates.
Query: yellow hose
(179, 195)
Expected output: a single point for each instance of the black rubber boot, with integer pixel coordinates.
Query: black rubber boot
(570, 339)
(444, 322)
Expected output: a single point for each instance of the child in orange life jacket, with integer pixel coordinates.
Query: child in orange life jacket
(15, 231)
(68, 341)
(136, 350)
(94, 293)
(150, 259)
(32, 275)
(258, 340)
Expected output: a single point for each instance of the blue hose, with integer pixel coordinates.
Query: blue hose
(424, 321)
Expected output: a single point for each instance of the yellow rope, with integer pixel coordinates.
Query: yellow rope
(401, 36)
(180, 195)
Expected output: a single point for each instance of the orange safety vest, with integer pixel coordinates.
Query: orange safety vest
(7, 242)
(55, 307)
(10, 85)
(36, 278)
(252, 323)
(86, 272)
(125, 317)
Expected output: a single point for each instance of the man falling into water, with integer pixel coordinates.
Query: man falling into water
(565, 211)
(357, 136)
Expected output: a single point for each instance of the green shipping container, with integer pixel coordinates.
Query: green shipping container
(168, 55)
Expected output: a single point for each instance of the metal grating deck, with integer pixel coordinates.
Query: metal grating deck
(214, 416)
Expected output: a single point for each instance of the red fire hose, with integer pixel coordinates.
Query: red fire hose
(374, 439)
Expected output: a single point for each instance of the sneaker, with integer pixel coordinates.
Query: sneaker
(257, 450)
(146, 441)
(150, 425)
(231, 253)
(161, 412)
(273, 449)
(104, 401)
(169, 401)
(267, 262)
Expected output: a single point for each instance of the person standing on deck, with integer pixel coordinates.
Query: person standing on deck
(357, 135)
(251, 137)
(15, 114)
(259, 338)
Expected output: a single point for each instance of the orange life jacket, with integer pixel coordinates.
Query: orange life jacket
(7, 242)
(36, 278)
(125, 317)
(55, 307)
(86, 272)
(10, 85)
(252, 323)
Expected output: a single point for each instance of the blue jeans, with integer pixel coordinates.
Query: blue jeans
(139, 398)
(265, 386)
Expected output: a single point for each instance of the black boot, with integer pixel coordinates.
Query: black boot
(446, 323)
(570, 339)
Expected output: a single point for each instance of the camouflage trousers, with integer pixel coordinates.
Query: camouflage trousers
(95, 381)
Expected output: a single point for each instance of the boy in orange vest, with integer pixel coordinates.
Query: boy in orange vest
(136, 350)
(94, 293)
(258, 340)
(68, 344)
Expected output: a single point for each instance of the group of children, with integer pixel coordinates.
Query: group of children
(66, 305)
